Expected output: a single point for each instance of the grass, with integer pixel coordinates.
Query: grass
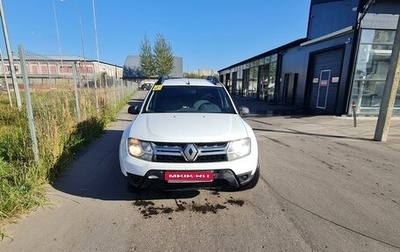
(60, 137)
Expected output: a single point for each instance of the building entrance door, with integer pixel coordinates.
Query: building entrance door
(323, 82)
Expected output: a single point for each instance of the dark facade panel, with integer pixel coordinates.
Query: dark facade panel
(385, 6)
(295, 61)
(331, 16)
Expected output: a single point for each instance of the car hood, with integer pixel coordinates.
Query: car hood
(188, 127)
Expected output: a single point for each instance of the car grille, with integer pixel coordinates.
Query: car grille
(194, 153)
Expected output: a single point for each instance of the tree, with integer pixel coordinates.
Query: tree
(163, 56)
(146, 58)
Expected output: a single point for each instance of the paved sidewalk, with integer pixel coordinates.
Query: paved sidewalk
(339, 126)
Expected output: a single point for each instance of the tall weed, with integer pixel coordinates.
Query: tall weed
(60, 137)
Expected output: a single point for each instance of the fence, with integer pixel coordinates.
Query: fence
(58, 102)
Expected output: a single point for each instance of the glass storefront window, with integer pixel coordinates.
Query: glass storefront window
(252, 88)
(372, 65)
(263, 81)
(255, 79)
(271, 82)
(239, 81)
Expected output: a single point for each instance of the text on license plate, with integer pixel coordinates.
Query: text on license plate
(189, 176)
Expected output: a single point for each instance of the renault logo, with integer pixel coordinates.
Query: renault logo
(190, 152)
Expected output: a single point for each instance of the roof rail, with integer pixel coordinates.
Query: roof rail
(213, 79)
(161, 79)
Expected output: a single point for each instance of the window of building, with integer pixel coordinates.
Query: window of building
(35, 69)
(53, 69)
(65, 68)
(271, 90)
(246, 78)
(16, 68)
(239, 80)
(90, 69)
(252, 87)
(43, 69)
(372, 65)
(263, 81)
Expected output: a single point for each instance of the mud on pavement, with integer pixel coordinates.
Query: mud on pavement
(210, 203)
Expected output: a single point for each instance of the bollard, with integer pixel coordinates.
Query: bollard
(353, 105)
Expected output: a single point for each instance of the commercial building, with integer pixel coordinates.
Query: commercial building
(344, 59)
(52, 69)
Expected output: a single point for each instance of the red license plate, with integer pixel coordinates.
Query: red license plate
(188, 176)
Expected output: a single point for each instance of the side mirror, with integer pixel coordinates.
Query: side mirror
(244, 110)
(134, 109)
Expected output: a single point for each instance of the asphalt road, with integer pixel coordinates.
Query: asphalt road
(320, 190)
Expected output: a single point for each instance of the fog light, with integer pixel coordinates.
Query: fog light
(244, 177)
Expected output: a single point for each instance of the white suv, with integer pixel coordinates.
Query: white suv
(188, 133)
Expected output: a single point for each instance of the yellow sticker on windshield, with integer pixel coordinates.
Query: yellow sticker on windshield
(157, 87)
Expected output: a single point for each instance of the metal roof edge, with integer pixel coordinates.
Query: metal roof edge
(66, 58)
(267, 53)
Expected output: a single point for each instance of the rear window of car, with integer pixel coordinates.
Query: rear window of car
(194, 99)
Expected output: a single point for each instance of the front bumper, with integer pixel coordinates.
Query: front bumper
(233, 173)
(222, 179)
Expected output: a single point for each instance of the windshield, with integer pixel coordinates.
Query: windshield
(201, 99)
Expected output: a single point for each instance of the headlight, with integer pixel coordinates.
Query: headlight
(238, 149)
(140, 149)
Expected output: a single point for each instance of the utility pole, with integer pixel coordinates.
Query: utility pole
(390, 91)
(10, 57)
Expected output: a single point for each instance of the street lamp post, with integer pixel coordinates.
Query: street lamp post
(96, 37)
(95, 31)
(82, 40)
(58, 32)
(98, 58)
(83, 49)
